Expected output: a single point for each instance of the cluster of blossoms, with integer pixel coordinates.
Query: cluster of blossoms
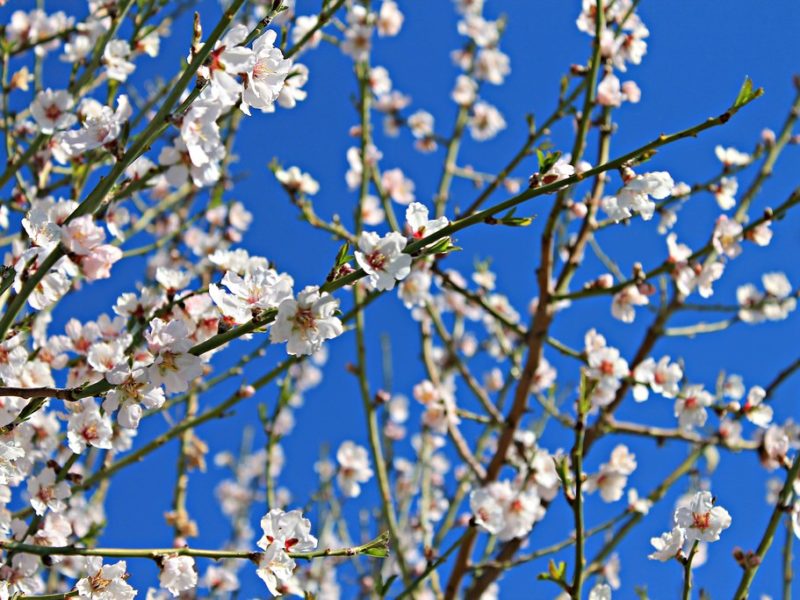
(697, 520)
(86, 175)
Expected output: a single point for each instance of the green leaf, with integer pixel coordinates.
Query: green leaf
(443, 246)
(516, 221)
(747, 93)
(385, 588)
(342, 256)
(546, 159)
(377, 551)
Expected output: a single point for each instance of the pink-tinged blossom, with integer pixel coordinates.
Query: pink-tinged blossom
(398, 186)
(390, 19)
(726, 238)
(613, 475)
(371, 212)
(259, 289)
(635, 196)
(504, 510)
(485, 122)
(358, 35)
(725, 192)
(562, 169)
(173, 366)
(600, 591)
(354, 173)
(624, 301)
(774, 447)
(132, 392)
(264, 82)
(228, 59)
(88, 427)
(690, 407)
(492, 65)
(465, 91)
(45, 492)
(51, 110)
(421, 124)
(200, 134)
(101, 125)
(755, 410)
(609, 91)
(307, 321)
(220, 580)
(97, 264)
(662, 378)
(303, 24)
(484, 33)
(607, 368)
(81, 235)
(779, 301)
(10, 454)
(354, 468)
(414, 290)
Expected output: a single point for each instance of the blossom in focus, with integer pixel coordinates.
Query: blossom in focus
(264, 81)
(307, 321)
(104, 582)
(417, 221)
(289, 530)
(701, 520)
(383, 259)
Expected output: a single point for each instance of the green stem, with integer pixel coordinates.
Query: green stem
(780, 509)
(687, 572)
(376, 547)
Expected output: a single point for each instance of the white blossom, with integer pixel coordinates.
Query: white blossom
(353, 470)
(382, 258)
(307, 321)
(701, 520)
(178, 574)
(668, 545)
(104, 582)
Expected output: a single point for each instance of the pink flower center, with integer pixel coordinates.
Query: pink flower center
(304, 319)
(376, 260)
(607, 367)
(701, 521)
(52, 112)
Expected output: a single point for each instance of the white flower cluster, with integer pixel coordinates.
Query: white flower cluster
(696, 519)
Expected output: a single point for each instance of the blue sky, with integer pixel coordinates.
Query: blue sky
(698, 55)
